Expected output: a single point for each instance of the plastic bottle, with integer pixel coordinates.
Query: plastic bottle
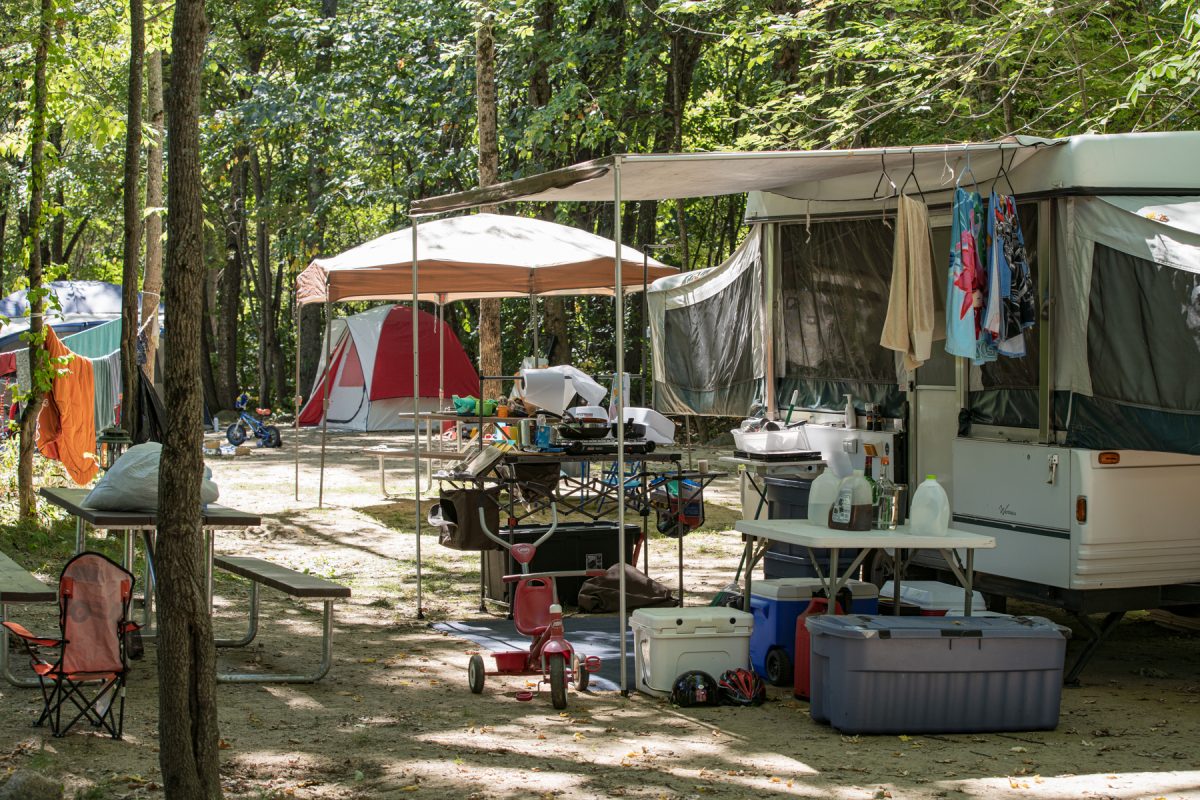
(868, 474)
(821, 494)
(851, 419)
(930, 511)
(852, 511)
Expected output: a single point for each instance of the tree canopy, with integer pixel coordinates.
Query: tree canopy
(322, 120)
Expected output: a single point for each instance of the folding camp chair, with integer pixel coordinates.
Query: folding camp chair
(89, 671)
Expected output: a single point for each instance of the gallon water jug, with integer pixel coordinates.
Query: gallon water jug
(853, 510)
(821, 494)
(930, 512)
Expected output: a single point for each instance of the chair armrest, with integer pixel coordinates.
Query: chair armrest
(36, 641)
(575, 573)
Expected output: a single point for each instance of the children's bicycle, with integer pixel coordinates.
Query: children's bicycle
(538, 615)
(267, 435)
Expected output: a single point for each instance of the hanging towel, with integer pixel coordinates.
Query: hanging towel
(1011, 306)
(67, 422)
(912, 322)
(965, 280)
(107, 376)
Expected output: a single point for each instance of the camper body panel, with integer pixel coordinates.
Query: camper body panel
(1138, 526)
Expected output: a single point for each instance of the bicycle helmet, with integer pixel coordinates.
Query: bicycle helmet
(741, 687)
(695, 688)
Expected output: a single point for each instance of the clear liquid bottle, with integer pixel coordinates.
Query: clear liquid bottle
(885, 500)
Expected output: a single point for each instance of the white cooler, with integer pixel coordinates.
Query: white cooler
(670, 641)
(934, 596)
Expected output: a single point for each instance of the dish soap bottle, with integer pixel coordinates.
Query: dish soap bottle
(930, 511)
(821, 494)
(852, 510)
(851, 418)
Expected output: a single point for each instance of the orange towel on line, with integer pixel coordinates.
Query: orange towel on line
(67, 422)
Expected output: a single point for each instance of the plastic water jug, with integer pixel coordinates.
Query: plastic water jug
(821, 494)
(853, 509)
(930, 512)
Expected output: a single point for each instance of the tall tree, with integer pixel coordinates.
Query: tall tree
(38, 358)
(490, 353)
(132, 240)
(189, 752)
(152, 279)
(318, 175)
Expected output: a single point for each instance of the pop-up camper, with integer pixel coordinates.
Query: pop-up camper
(1079, 458)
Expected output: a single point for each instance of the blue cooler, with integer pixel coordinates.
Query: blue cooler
(776, 604)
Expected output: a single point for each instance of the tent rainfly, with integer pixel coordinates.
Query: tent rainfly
(371, 379)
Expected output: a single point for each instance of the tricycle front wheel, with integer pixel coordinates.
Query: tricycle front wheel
(558, 680)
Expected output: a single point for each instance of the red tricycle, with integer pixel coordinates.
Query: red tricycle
(537, 614)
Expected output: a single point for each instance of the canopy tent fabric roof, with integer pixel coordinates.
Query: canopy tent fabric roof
(480, 255)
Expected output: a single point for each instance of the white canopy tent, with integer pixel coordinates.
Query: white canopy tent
(824, 181)
(468, 257)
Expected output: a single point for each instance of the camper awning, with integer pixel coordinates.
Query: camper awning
(480, 255)
(668, 176)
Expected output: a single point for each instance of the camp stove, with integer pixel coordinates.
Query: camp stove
(560, 438)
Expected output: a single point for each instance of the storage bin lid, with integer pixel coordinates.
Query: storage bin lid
(859, 626)
(933, 595)
(805, 588)
(698, 620)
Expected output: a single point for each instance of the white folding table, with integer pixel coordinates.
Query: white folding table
(759, 533)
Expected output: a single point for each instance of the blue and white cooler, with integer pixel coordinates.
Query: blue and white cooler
(776, 604)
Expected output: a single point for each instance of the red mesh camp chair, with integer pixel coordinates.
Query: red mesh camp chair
(85, 668)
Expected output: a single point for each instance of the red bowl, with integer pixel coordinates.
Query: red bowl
(511, 661)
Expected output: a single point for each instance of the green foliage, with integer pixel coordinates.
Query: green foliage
(337, 124)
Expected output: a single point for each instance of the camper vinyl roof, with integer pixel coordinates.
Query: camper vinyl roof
(849, 180)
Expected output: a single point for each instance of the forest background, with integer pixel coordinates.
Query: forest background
(322, 120)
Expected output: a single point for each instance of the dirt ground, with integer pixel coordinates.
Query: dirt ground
(394, 717)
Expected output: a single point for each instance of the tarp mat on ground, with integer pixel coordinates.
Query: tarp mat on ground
(590, 636)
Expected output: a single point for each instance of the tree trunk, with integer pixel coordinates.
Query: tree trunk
(264, 284)
(38, 359)
(311, 322)
(188, 733)
(52, 251)
(152, 280)
(230, 302)
(130, 411)
(490, 354)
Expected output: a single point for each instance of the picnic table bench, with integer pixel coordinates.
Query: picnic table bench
(18, 585)
(383, 452)
(291, 582)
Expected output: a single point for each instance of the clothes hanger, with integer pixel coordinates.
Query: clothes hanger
(912, 175)
(947, 173)
(966, 169)
(1004, 172)
(883, 173)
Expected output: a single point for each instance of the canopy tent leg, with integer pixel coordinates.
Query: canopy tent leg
(619, 297)
(416, 364)
(325, 394)
(533, 322)
(296, 399)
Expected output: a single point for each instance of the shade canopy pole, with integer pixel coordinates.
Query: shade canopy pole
(619, 298)
(766, 256)
(441, 332)
(297, 399)
(533, 323)
(416, 365)
(325, 394)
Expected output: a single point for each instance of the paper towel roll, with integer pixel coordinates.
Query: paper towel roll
(548, 388)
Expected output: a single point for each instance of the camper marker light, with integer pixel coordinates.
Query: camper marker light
(1081, 509)
(1109, 458)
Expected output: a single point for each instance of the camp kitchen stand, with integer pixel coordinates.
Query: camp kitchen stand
(593, 493)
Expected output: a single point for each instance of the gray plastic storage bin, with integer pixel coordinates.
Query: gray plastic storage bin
(936, 674)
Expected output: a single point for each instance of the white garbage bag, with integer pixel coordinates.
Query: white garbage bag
(131, 484)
